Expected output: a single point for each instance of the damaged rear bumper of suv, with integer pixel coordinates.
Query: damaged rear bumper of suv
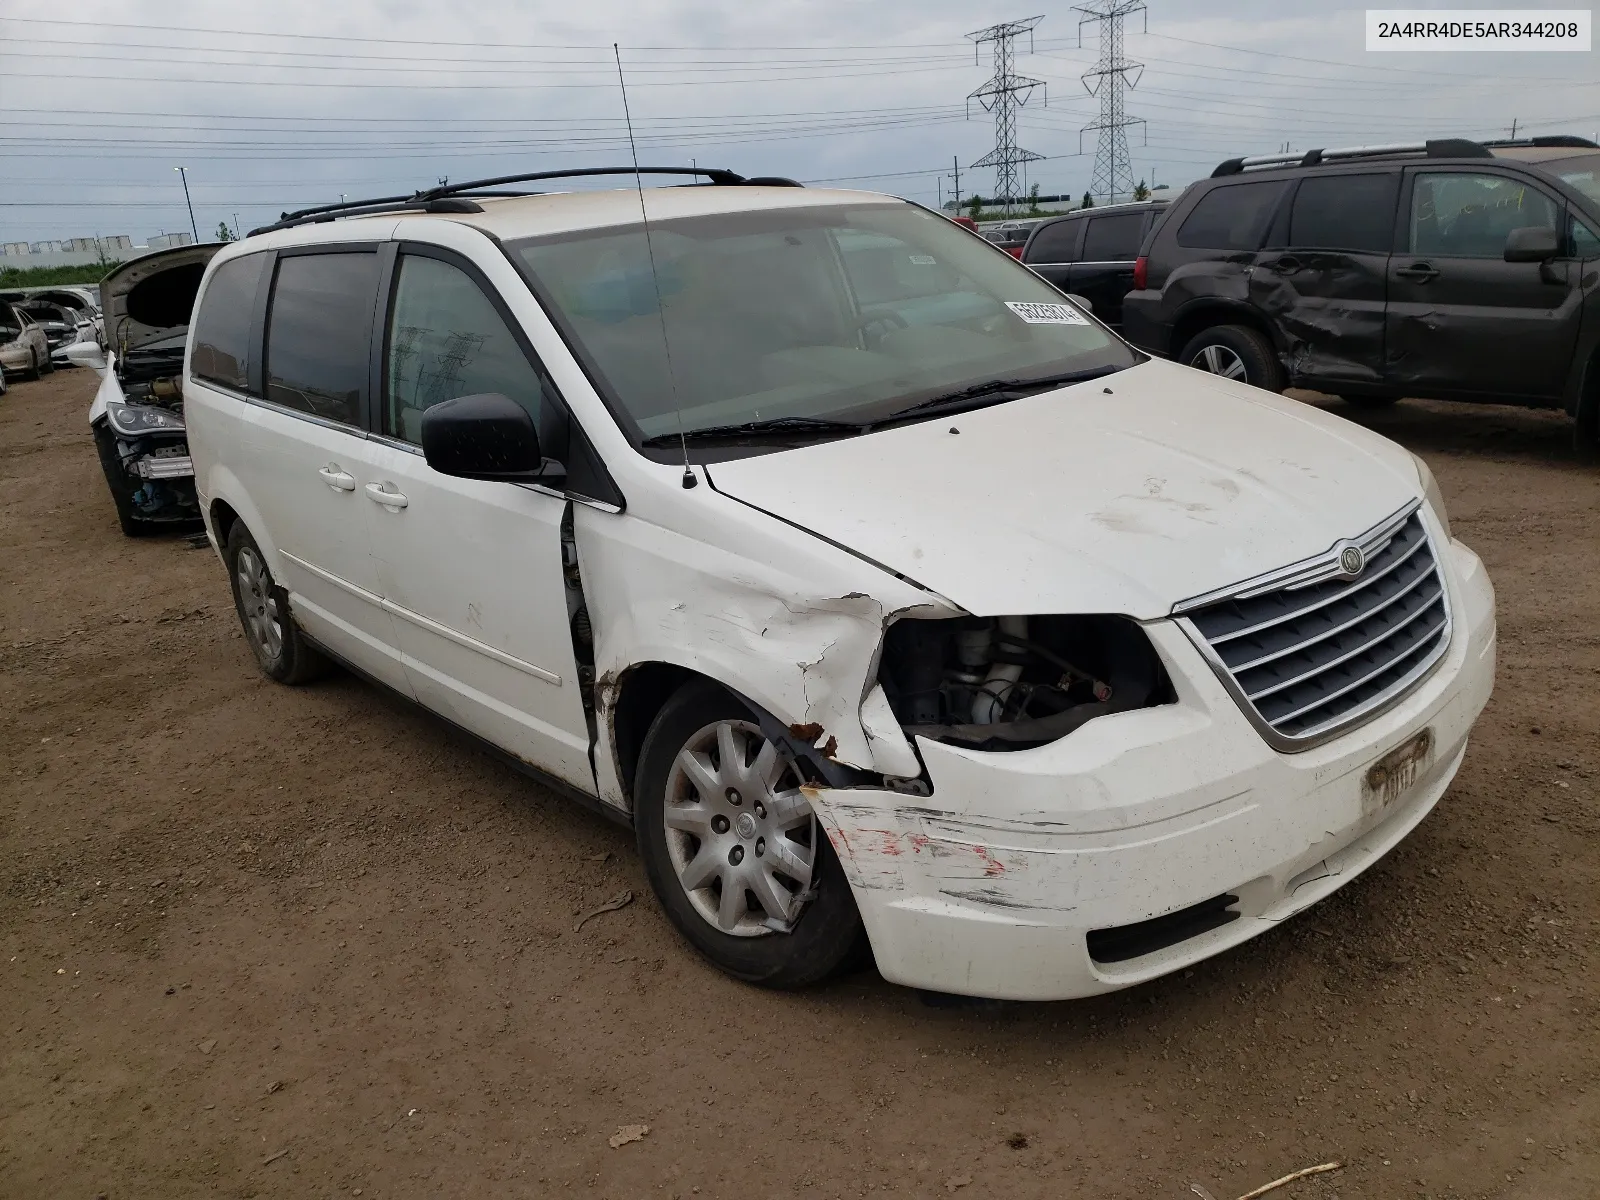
(1148, 839)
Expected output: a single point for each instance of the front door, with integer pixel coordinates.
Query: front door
(1462, 320)
(301, 454)
(1324, 279)
(471, 571)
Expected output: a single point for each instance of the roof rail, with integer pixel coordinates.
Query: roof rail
(1433, 148)
(1567, 140)
(450, 198)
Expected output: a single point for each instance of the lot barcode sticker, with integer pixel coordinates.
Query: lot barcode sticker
(1047, 314)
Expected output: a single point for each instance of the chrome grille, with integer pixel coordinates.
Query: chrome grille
(1312, 650)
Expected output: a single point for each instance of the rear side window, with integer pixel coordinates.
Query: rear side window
(1113, 239)
(1231, 217)
(222, 326)
(1345, 212)
(1055, 242)
(319, 333)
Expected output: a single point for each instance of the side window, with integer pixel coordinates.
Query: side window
(222, 326)
(446, 340)
(1231, 217)
(1459, 214)
(319, 333)
(1585, 242)
(1055, 242)
(1113, 239)
(1345, 212)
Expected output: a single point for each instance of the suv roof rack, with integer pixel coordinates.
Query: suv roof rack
(1433, 148)
(452, 198)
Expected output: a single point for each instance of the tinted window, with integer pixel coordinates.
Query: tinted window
(222, 326)
(319, 332)
(1459, 214)
(1585, 242)
(1113, 239)
(1055, 242)
(447, 340)
(1231, 217)
(1345, 212)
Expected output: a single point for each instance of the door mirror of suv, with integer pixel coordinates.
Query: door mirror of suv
(1081, 301)
(487, 436)
(1533, 244)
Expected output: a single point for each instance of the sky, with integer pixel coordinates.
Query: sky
(280, 104)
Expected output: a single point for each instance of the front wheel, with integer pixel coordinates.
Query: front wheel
(269, 626)
(733, 850)
(1236, 352)
(34, 371)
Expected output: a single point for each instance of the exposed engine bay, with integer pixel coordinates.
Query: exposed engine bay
(147, 435)
(1013, 683)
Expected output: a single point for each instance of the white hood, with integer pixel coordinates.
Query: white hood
(151, 297)
(1123, 495)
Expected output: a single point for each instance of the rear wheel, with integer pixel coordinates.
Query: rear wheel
(47, 365)
(263, 606)
(733, 850)
(1236, 352)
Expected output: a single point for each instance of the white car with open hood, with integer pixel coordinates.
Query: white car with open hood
(880, 589)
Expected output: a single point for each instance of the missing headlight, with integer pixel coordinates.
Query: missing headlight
(1012, 683)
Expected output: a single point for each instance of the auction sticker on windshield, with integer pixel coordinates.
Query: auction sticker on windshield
(1047, 314)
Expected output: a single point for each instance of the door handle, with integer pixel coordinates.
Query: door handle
(339, 481)
(1286, 265)
(1421, 272)
(378, 492)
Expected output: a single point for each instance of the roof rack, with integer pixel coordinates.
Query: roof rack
(1433, 148)
(451, 198)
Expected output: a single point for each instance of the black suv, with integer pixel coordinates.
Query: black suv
(1091, 252)
(1449, 269)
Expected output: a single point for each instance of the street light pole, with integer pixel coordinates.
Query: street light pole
(193, 228)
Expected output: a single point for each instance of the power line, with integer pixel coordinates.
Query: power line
(1005, 92)
(1113, 173)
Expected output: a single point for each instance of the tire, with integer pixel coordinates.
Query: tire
(33, 372)
(1236, 352)
(2, 381)
(117, 481)
(47, 367)
(1371, 402)
(743, 824)
(269, 627)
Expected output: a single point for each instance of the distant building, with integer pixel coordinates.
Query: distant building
(47, 247)
(165, 241)
(14, 249)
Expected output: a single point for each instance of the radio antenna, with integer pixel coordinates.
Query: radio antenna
(689, 480)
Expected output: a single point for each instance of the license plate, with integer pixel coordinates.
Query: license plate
(1392, 775)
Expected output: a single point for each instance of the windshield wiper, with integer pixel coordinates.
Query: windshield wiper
(995, 391)
(773, 425)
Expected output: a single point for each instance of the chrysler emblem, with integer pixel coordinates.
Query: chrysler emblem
(1352, 561)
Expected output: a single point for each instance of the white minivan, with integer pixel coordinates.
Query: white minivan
(882, 591)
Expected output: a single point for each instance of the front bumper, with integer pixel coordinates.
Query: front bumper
(992, 885)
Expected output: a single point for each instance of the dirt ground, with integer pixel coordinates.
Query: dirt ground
(261, 941)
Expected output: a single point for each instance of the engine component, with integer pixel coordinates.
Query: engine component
(1016, 682)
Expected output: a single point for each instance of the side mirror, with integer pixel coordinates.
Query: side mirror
(87, 354)
(1533, 244)
(1081, 302)
(487, 436)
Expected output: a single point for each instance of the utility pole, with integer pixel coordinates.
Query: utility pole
(193, 228)
(1513, 129)
(1113, 173)
(1003, 95)
(236, 227)
(955, 173)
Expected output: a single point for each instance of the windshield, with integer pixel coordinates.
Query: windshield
(850, 313)
(1582, 173)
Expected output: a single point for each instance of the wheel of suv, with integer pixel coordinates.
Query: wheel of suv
(263, 606)
(733, 850)
(1236, 352)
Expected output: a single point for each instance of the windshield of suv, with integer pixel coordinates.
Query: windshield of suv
(1582, 172)
(827, 314)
